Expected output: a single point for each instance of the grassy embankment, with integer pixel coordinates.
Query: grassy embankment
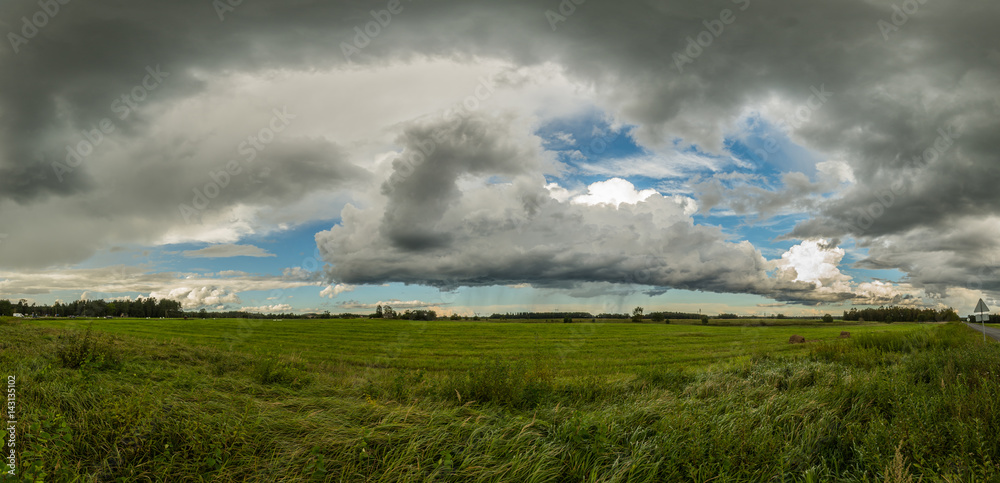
(172, 400)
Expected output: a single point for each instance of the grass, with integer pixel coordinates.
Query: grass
(442, 346)
(468, 401)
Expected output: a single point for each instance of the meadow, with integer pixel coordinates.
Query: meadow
(391, 400)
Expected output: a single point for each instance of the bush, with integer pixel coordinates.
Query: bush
(269, 371)
(828, 319)
(704, 320)
(657, 317)
(501, 382)
(88, 351)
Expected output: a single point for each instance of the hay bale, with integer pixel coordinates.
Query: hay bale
(845, 335)
(796, 339)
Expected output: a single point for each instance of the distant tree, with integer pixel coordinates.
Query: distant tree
(378, 311)
(828, 318)
(950, 315)
(657, 317)
(418, 315)
(567, 320)
(637, 314)
(704, 320)
(779, 316)
(6, 308)
(388, 313)
(456, 317)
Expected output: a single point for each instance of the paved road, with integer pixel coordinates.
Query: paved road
(990, 331)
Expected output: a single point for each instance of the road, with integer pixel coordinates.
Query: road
(990, 331)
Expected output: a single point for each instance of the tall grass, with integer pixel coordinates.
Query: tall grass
(899, 406)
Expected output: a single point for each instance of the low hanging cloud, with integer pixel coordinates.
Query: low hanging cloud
(193, 290)
(397, 305)
(268, 309)
(198, 297)
(428, 231)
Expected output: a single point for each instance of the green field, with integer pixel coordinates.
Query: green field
(569, 349)
(389, 400)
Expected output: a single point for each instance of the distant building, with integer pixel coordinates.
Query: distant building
(18, 314)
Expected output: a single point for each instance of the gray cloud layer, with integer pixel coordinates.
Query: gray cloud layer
(895, 91)
(507, 229)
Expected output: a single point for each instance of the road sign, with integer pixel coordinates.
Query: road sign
(981, 307)
(982, 318)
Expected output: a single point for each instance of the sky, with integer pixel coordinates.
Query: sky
(478, 157)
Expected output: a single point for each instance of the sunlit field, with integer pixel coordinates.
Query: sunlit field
(577, 349)
(390, 400)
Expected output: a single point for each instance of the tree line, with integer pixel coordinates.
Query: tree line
(153, 307)
(387, 312)
(141, 307)
(901, 314)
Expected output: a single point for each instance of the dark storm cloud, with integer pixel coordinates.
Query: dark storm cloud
(424, 180)
(893, 91)
(75, 71)
(883, 88)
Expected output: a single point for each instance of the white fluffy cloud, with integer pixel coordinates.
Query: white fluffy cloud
(268, 309)
(191, 289)
(333, 291)
(197, 297)
(614, 192)
(814, 261)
